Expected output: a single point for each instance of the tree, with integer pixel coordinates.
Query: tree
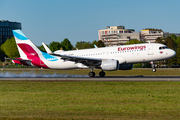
(94, 43)
(87, 45)
(10, 48)
(160, 40)
(84, 45)
(178, 54)
(66, 45)
(79, 44)
(178, 40)
(100, 43)
(53, 46)
(173, 37)
(134, 41)
(170, 43)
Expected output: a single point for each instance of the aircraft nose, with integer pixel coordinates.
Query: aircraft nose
(172, 53)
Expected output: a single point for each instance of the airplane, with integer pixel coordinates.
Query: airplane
(104, 58)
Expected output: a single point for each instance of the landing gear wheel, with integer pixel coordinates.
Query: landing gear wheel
(154, 69)
(91, 74)
(102, 74)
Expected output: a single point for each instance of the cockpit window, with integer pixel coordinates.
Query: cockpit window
(163, 47)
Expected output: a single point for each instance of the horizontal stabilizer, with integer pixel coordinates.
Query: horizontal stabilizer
(18, 59)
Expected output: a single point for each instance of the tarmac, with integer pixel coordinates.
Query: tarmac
(107, 78)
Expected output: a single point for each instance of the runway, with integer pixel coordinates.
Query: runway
(107, 78)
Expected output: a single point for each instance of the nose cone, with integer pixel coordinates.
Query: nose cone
(172, 53)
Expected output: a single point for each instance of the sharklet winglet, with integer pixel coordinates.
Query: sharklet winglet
(47, 49)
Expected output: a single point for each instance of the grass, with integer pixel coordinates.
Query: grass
(133, 72)
(89, 100)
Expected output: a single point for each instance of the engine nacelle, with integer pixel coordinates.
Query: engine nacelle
(125, 66)
(110, 65)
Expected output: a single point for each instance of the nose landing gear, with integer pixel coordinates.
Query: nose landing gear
(153, 67)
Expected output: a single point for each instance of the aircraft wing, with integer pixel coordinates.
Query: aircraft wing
(84, 60)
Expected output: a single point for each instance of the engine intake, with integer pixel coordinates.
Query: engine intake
(110, 65)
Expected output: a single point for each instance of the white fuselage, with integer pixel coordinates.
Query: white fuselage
(136, 53)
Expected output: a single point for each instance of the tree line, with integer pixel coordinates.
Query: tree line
(9, 47)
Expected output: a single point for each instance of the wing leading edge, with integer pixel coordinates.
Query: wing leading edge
(84, 60)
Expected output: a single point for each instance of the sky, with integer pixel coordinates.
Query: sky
(79, 20)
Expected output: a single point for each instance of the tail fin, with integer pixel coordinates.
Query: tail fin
(25, 46)
(27, 50)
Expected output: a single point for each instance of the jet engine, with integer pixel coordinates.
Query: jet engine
(110, 65)
(125, 66)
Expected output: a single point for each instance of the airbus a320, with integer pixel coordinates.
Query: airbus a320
(105, 58)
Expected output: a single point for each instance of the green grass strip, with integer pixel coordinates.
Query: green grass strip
(89, 100)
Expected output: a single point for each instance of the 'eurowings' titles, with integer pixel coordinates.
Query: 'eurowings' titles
(132, 48)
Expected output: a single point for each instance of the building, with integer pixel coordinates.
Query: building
(6, 28)
(150, 35)
(117, 35)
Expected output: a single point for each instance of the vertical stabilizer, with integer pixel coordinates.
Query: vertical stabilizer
(25, 46)
(28, 50)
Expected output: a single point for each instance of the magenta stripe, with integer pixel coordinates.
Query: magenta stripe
(32, 55)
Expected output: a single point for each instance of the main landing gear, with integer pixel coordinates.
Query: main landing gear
(101, 74)
(91, 74)
(153, 67)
